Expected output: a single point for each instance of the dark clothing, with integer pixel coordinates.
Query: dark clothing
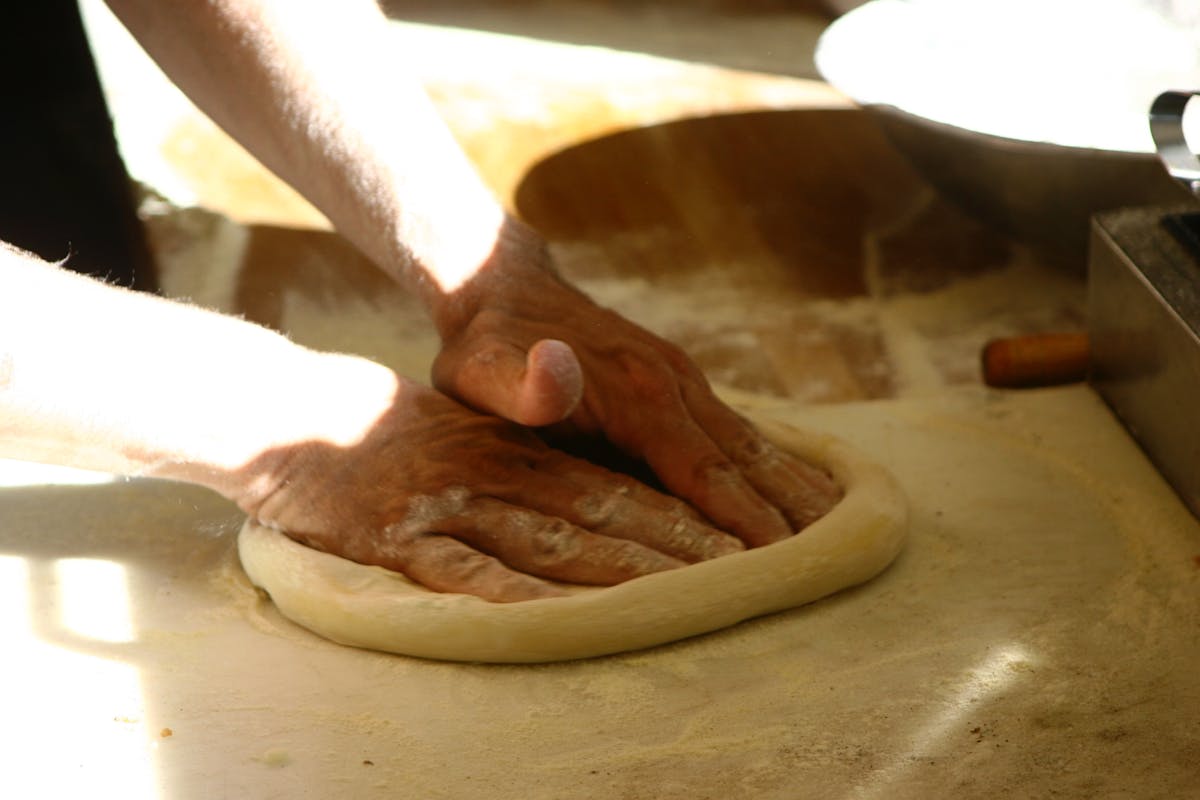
(63, 187)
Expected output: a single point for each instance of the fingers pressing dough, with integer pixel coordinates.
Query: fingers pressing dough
(378, 609)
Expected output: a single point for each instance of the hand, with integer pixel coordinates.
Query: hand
(534, 350)
(461, 502)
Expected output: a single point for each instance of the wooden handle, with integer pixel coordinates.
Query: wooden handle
(1040, 359)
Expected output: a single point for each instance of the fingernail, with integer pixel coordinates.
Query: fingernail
(722, 545)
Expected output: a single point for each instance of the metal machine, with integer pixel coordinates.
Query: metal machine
(1144, 312)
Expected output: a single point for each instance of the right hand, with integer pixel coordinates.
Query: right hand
(462, 502)
(522, 343)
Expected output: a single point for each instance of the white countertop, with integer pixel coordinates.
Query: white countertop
(1039, 635)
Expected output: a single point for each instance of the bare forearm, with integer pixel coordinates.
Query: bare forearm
(335, 450)
(98, 377)
(317, 92)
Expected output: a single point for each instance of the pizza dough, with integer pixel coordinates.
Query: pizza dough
(375, 608)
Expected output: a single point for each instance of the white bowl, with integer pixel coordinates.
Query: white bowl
(1030, 113)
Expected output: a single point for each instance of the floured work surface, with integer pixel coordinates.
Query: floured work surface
(379, 609)
(1038, 636)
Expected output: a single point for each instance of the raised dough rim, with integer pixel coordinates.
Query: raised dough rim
(375, 608)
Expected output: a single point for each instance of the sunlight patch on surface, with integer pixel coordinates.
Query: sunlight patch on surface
(14, 600)
(93, 598)
(997, 672)
(29, 473)
(74, 722)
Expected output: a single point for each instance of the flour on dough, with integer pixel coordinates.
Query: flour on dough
(375, 608)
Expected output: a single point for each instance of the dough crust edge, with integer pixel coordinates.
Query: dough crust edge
(377, 609)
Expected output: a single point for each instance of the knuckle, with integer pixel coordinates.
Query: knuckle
(399, 542)
(481, 345)
(598, 510)
(680, 361)
(422, 515)
(675, 508)
(646, 377)
(748, 447)
(552, 543)
(686, 535)
(488, 348)
(595, 511)
(632, 559)
(716, 470)
(681, 537)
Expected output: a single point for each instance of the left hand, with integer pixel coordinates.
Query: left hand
(537, 351)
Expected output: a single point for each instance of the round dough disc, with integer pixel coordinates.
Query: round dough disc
(375, 608)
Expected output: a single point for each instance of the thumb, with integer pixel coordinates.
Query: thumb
(537, 388)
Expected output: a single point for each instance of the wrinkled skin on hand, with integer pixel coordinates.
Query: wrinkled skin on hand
(461, 502)
(534, 350)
